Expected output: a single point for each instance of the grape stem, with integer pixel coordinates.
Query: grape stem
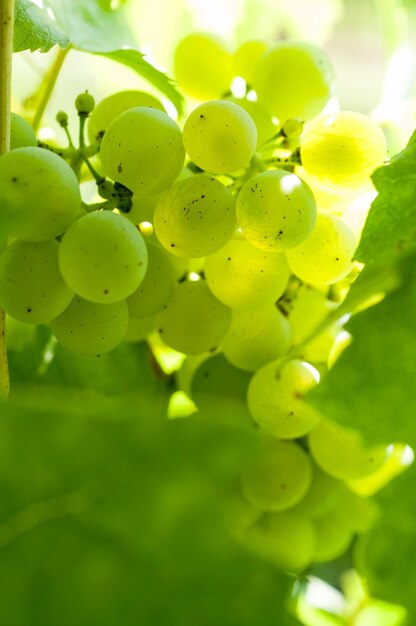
(6, 53)
(48, 85)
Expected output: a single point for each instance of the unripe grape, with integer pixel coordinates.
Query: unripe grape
(142, 149)
(21, 133)
(220, 137)
(84, 103)
(203, 66)
(246, 56)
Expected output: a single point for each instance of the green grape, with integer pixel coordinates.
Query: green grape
(220, 137)
(256, 337)
(343, 148)
(293, 79)
(32, 289)
(203, 66)
(195, 217)
(333, 537)
(246, 56)
(340, 452)
(284, 539)
(194, 321)
(264, 123)
(103, 257)
(326, 256)
(324, 493)
(140, 327)
(275, 399)
(219, 391)
(309, 308)
(318, 350)
(21, 133)
(113, 105)
(84, 103)
(243, 276)
(157, 287)
(39, 194)
(90, 329)
(142, 149)
(276, 210)
(278, 477)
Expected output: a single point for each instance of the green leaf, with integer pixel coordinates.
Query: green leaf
(135, 60)
(371, 388)
(35, 30)
(92, 25)
(120, 521)
(391, 224)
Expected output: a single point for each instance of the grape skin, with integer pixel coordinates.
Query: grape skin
(21, 133)
(32, 289)
(275, 399)
(293, 79)
(220, 137)
(142, 149)
(203, 66)
(246, 57)
(256, 337)
(276, 210)
(326, 256)
(90, 329)
(39, 194)
(113, 105)
(195, 217)
(343, 148)
(193, 321)
(243, 276)
(264, 123)
(103, 257)
(278, 477)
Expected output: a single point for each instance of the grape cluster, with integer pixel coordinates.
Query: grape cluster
(224, 242)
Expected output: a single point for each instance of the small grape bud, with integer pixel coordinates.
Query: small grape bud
(62, 118)
(292, 127)
(84, 103)
(106, 189)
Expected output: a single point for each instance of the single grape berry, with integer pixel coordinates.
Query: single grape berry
(84, 103)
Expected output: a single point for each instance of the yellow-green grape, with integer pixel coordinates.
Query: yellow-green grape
(264, 124)
(341, 453)
(21, 133)
(157, 287)
(39, 194)
(113, 105)
(276, 210)
(293, 79)
(275, 399)
(246, 57)
(318, 350)
(278, 477)
(256, 337)
(343, 148)
(140, 327)
(243, 276)
(284, 539)
(203, 66)
(84, 103)
(103, 257)
(193, 321)
(32, 289)
(308, 309)
(323, 495)
(142, 149)
(195, 217)
(220, 136)
(219, 391)
(90, 329)
(333, 537)
(326, 256)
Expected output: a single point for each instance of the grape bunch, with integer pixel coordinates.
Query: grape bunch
(227, 241)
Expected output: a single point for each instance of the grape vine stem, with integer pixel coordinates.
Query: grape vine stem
(6, 52)
(48, 85)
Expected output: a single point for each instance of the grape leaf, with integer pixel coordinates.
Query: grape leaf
(370, 388)
(391, 224)
(128, 515)
(35, 30)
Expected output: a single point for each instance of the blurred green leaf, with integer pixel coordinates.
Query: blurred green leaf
(35, 30)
